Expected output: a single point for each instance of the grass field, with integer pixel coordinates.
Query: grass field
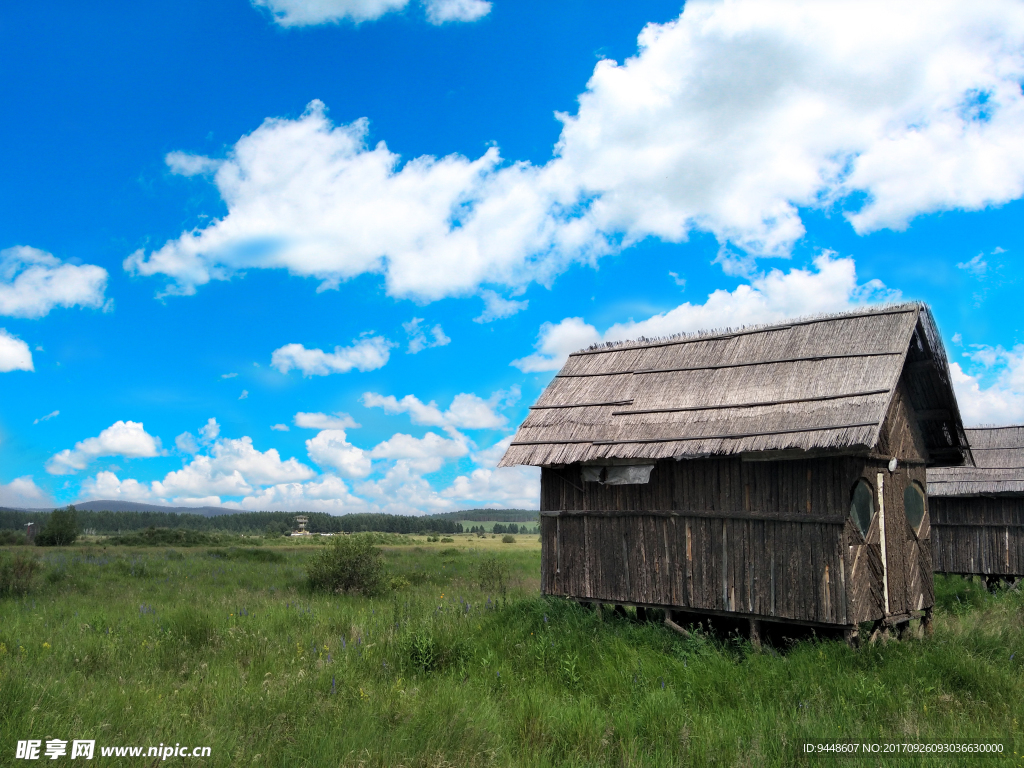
(227, 648)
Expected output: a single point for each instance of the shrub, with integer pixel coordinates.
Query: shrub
(61, 529)
(348, 564)
(508, 538)
(16, 573)
(16, 538)
(447, 540)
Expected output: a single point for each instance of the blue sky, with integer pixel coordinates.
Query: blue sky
(323, 254)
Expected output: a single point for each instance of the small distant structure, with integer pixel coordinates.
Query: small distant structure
(301, 521)
(978, 512)
(30, 532)
(768, 474)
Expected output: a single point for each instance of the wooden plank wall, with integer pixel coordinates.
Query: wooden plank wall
(763, 538)
(978, 535)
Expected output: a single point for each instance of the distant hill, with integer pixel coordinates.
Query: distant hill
(107, 505)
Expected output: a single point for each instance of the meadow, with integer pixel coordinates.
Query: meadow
(227, 647)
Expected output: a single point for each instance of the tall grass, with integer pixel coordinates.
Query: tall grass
(234, 652)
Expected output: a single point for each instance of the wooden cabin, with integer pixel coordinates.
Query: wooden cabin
(773, 473)
(978, 512)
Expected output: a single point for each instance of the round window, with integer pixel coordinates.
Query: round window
(913, 506)
(862, 507)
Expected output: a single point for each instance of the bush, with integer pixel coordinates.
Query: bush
(348, 564)
(16, 573)
(60, 530)
(447, 540)
(16, 538)
(508, 538)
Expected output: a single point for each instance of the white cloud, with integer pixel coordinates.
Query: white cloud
(301, 13)
(325, 494)
(107, 486)
(488, 458)
(331, 448)
(555, 342)
(402, 490)
(228, 375)
(976, 266)
(122, 438)
(421, 454)
(324, 421)
(244, 395)
(233, 468)
(440, 11)
(496, 308)
(32, 282)
(23, 492)
(366, 354)
(14, 353)
(184, 164)
(830, 287)
(728, 120)
(47, 417)
(467, 411)
(418, 340)
(279, 427)
(517, 487)
(186, 443)
(1000, 403)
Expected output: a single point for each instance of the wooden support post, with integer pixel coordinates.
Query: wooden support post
(755, 633)
(926, 622)
(852, 637)
(620, 610)
(641, 613)
(672, 625)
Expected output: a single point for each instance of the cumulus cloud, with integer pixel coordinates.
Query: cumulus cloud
(467, 411)
(23, 492)
(418, 340)
(301, 13)
(831, 286)
(496, 308)
(122, 438)
(327, 493)
(516, 487)
(331, 448)
(32, 282)
(366, 354)
(107, 485)
(279, 427)
(1002, 401)
(14, 353)
(421, 454)
(184, 164)
(187, 443)
(728, 120)
(47, 417)
(232, 468)
(324, 421)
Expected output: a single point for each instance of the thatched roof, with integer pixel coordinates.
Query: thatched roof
(816, 384)
(999, 466)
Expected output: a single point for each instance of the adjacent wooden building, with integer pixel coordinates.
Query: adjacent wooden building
(978, 512)
(772, 473)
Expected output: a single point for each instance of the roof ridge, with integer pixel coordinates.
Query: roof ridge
(705, 335)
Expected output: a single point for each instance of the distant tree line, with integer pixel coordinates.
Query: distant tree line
(501, 528)
(274, 523)
(484, 515)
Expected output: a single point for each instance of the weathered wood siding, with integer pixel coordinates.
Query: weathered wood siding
(978, 535)
(765, 538)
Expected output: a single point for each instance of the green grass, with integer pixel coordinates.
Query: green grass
(227, 648)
